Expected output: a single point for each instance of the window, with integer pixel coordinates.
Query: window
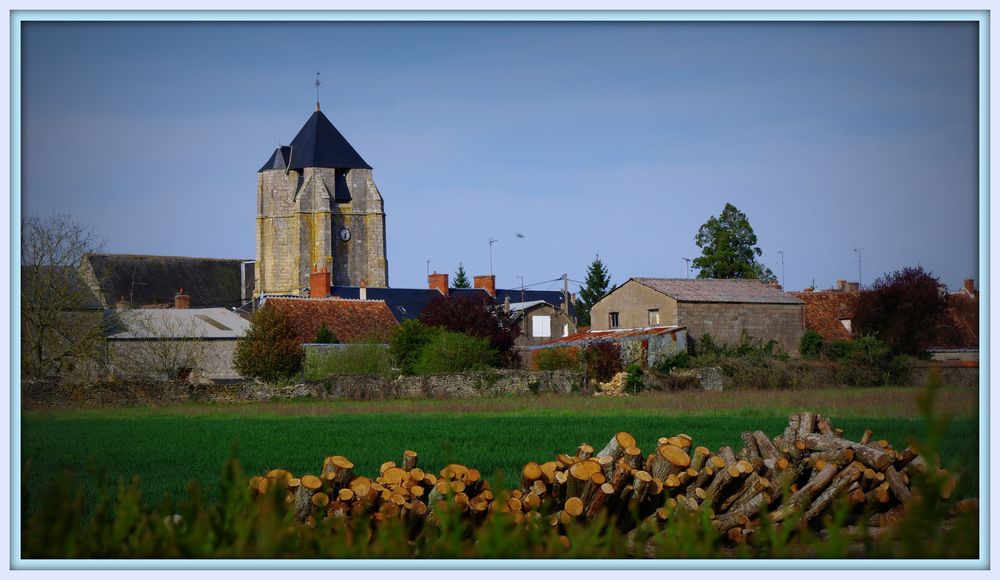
(565, 330)
(613, 319)
(654, 316)
(541, 326)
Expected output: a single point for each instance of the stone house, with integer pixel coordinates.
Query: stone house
(725, 309)
(539, 321)
(194, 344)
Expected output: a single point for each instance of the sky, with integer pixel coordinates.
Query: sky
(561, 141)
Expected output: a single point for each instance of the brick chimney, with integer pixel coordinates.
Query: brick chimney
(486, 282)
(319, 283)
(438, 282)
(363, 290)
(970, 286)
(182, 300)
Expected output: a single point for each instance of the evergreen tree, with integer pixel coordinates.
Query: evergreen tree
(325, 335)
(461, 280)
(598, 283)
(729, 248)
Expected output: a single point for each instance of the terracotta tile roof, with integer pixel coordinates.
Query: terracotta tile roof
(962, 327)
(824, 311)
(711, 290)
(350, 320)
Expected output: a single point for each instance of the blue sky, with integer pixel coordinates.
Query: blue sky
(617, 138)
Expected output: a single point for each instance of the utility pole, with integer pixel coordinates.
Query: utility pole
(522, 288)
(858, 251)
(687, 267)
(782, 254)
(566, 293)
(492, 241)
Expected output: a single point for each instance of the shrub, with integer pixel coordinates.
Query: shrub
(364, 358)
(556, 359)
(811, 344)
(603, 360)
(325, 335)
(866, 361)
(407, 341)
(453, 352)
(269, 350)
(476, 316)
(903, 308)
(678, 360)
(633, 378)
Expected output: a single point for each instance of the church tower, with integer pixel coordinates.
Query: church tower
(318, 206)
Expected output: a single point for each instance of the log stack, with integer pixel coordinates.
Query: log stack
(794, 479)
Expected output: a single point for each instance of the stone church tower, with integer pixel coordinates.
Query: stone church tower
(317, 206)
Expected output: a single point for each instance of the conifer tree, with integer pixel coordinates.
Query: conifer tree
(597, 284)
(461, 280)
(729, 248)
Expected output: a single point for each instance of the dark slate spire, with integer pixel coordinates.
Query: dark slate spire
(278, 160)
(320, 144)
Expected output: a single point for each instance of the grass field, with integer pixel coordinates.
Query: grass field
(169, 446)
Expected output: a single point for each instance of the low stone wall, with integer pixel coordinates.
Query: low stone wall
(708, 378)
(953, 373)
(142, 393)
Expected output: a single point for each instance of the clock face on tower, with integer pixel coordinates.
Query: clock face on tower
(345, 234)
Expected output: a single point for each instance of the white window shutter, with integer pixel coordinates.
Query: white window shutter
(541, 326)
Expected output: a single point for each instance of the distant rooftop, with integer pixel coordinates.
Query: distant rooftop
(207, 323)
(713, 290)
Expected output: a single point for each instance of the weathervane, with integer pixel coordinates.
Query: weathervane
(317, 84)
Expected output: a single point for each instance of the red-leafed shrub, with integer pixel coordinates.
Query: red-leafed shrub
(904, 309)
(604, 360)
(269, 350)
(475, 316)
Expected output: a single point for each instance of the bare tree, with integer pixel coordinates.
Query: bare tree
(62, 324)
(158, 344)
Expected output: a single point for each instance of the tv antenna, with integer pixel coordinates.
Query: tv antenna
(492, 241)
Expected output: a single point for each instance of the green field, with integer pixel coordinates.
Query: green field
(167, 447)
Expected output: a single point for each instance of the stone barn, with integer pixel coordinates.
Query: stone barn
(725, 309)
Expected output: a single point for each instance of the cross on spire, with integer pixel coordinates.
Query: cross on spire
(317, 84)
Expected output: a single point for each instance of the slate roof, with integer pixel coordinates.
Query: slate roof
(62, 286)
(712, 290)
(318, 144)
(408, 303)
(207, 323)
(350, 320)
(278, 160)
(824, 311)
(148, 280)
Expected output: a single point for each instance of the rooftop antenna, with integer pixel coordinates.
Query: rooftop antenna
(317, 84)
(687, 267)
(782, 254)
(492, 241)
(427, 268)
(522, 288)
(858, 251)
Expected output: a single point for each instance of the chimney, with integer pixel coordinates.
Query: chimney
(506, 304)
(182, 300)
(853, 286)
(319, 283)
(970, 286)
(438, 282)
(487, 282)
(842, 285)
(363, 290)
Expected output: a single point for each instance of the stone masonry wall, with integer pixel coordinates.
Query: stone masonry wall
(149, 392)
(784, 323)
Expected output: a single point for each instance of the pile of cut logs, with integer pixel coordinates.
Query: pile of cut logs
(795, 478)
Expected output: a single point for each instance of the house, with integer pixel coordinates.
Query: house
(829, 312)
(195, 344)
(349, 320)
(956, 337)
(539, 321)
(725, 309)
